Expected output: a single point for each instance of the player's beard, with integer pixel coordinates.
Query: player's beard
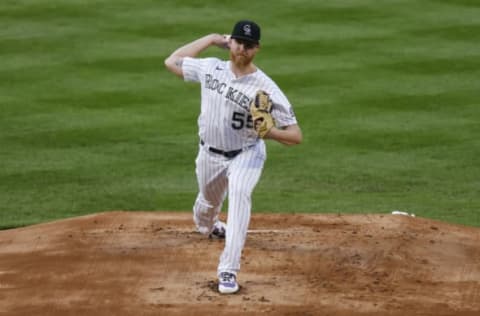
(241, 60)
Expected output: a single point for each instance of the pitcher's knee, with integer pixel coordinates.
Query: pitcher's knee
(203, 215)
(240, 194)
(201, 206)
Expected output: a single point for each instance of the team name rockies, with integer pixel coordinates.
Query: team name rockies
(231, 94)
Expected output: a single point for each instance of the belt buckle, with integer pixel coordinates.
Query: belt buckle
(231, 154)
(226, 154)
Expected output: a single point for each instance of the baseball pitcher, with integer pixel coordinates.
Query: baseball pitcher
(240, 107)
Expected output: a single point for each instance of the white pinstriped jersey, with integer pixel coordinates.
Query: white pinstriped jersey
(225, 121)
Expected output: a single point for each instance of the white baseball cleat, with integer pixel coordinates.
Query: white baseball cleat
(227, 283)
(219, 230)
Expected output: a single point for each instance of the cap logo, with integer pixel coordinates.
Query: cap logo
(247, 30)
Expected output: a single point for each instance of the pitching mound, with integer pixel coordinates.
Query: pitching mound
(138, 263)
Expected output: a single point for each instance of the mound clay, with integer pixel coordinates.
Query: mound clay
(139, 263)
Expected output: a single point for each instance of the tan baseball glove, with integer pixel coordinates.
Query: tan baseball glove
(261, 110)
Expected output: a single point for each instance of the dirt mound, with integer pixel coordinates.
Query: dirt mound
(139, 263)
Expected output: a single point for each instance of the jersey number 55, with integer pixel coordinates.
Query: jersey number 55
(241, 120)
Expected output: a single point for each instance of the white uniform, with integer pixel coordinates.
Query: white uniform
(231, 156)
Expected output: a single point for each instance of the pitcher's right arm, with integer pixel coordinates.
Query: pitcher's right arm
(175, 60)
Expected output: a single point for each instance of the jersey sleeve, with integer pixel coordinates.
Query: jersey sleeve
(195, 68)
(192, 69)
(282, 110)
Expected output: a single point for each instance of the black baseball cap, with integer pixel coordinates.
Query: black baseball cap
(246, 30)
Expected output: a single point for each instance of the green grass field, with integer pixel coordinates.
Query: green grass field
(387, 94)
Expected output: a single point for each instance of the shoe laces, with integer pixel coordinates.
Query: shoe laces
(227, 277)
(218, 231)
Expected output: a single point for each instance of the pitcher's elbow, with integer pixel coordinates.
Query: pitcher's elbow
(169, 63)
(298, 139)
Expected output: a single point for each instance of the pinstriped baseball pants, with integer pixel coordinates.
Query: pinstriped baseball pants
(219, 177)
